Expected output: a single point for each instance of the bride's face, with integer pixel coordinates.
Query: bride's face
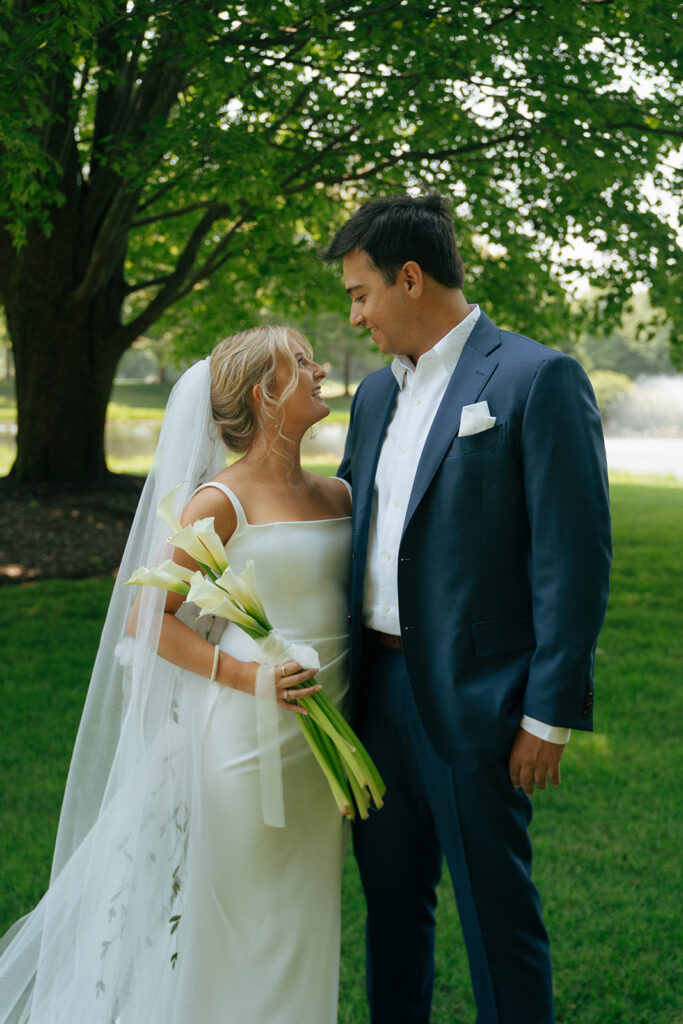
(305, 404)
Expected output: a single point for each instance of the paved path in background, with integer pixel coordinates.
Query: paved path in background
(662, 456)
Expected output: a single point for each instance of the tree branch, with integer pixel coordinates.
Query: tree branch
(163, 190)
(149, 105)
(109, 248)
(173, 282)
(151, 282)
(169, 214)
(181, 282)
(216, 259)
(397, 158)
(644, 129)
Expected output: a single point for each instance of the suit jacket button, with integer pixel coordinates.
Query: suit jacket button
(348, 619)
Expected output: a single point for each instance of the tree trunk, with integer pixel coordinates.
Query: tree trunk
(63, 382)
(65, 359)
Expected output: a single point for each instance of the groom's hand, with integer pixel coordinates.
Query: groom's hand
(533, 760)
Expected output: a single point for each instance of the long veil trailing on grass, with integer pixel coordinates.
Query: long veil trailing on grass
(100, 941)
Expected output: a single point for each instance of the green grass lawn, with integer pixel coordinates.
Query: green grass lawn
(608, 841)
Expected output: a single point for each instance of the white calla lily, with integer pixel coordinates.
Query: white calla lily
(211, 600)
(199, 539)
(169, 576)
(205, 533)
(188, 542)
(242, 588)
(166, 510)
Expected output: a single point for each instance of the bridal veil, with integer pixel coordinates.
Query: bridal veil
(104, 931)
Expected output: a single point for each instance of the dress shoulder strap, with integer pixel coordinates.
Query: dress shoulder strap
(232, 498)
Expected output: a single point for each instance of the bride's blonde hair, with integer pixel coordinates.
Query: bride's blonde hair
(242, 361)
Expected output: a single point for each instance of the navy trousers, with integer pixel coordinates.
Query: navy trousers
(474, 817)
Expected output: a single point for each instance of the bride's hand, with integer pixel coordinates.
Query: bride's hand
(289, 688)
(289, 680)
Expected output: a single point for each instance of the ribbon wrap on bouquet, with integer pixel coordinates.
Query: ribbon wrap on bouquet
(275, 650)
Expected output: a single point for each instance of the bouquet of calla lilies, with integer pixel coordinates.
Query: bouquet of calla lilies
(217, 590)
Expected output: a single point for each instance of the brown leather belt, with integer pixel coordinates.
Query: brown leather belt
(389, 640)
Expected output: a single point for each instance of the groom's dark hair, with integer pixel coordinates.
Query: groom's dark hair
(395, 229)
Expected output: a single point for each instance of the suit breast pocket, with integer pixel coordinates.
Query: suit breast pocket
(484, 441)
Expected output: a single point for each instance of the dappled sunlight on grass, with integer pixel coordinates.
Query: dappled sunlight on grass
(132, 465)
(7, 456)
(115, 411)
(596, 743)
(139, 465)
(641, 480)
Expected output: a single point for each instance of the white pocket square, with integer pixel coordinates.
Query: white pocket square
(475, 418)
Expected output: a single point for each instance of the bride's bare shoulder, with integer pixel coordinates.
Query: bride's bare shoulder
(212, 502)
(335, 493)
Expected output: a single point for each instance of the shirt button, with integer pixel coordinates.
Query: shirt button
(386, 608)
(404, 451)
(387, 554)
(395, 504)
(417, 401)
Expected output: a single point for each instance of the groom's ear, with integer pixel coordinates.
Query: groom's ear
(411, 279)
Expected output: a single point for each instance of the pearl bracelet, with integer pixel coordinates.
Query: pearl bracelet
(214, 670)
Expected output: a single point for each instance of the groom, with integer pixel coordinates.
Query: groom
(479, 583)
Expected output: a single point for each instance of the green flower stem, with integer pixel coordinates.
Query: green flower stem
(355, 768)
(323, 722)
(356, 759)
(320, 743)
(341, 795)
(329, 751)
(377, 785)
(349, 771)
(332, 754)
(360, 797)
(207, 572)
(340, 745)
(355, 765)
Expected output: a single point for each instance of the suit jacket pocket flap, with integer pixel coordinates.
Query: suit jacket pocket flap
(499, 635)
(480, 442)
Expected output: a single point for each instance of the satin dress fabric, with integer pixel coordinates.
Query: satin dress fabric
(258, 942)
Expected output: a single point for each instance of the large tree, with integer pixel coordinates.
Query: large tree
(157, 152)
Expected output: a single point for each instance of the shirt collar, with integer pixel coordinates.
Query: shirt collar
(447, 349)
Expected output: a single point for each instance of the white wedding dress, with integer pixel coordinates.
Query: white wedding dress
(180, 906)
(261, 941)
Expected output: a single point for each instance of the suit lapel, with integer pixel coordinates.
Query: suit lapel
(371, 430)
(470, 376)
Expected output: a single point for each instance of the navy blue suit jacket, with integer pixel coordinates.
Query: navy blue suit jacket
(504, 560)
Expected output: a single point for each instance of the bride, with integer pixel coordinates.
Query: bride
(172, 900)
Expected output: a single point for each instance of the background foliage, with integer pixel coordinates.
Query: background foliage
(229, 139)
(177, 165)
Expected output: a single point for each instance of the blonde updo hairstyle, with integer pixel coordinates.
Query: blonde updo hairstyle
(242, 361)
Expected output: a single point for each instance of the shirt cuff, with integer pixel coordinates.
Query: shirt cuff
(551, 733)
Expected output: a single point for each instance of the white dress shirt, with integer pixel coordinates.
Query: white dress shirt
(421, 388)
